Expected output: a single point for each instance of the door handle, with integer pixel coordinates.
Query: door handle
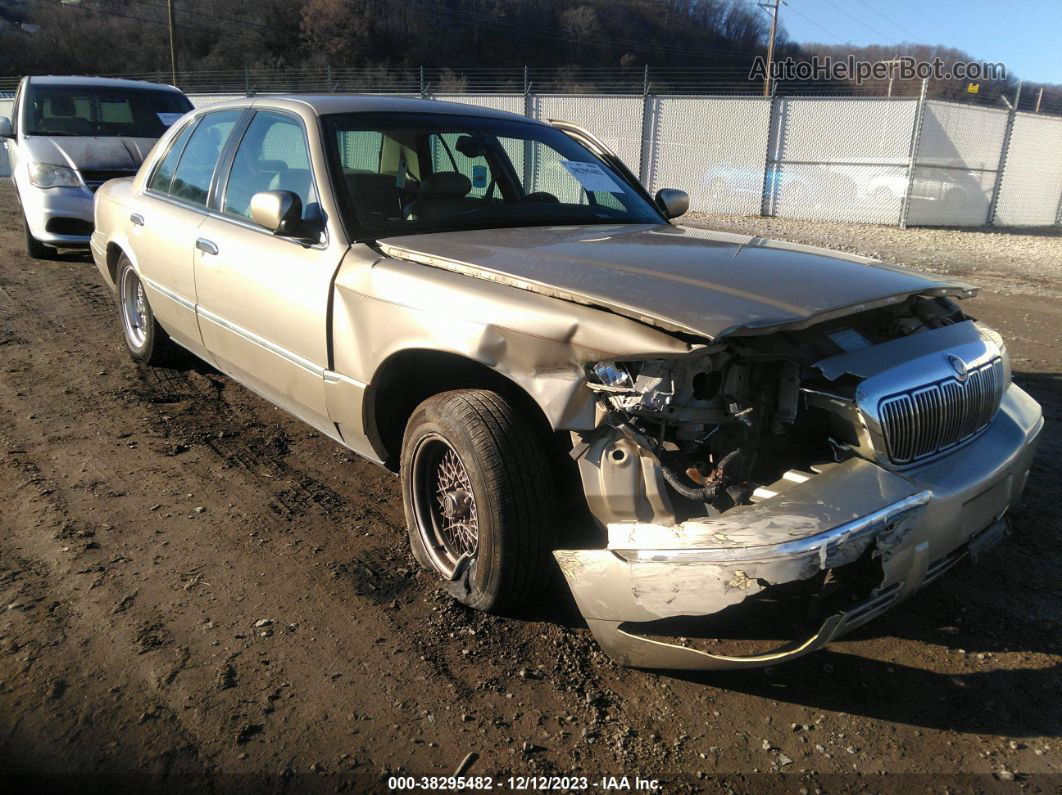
(206, 246)
(137, 219)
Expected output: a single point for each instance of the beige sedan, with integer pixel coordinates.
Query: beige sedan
(750, 443)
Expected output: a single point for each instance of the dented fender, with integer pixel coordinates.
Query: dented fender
(383, 306)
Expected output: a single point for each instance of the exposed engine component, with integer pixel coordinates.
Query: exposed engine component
(732, 417)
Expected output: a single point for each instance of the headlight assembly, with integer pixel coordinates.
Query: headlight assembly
(611, 375)
(43, 175)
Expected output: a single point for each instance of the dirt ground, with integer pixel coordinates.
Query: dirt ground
(194, 586)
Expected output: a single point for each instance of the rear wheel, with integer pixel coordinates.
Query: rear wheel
(479, 498)
(145, 339)
(34, 247)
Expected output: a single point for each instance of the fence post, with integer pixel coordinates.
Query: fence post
(529, 111)
(1012, 112)
(767, 155)
(916, 137)
(423, 88)
(647, 132)
(246, 81)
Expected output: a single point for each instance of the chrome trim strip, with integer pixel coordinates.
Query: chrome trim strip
(262, 342)
(166, 291)
(332, 377)
(819, 544)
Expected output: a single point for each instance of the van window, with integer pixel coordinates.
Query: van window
(101, 111)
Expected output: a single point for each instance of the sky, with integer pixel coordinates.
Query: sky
(1026, 35)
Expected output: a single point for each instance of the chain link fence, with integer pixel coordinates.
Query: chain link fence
(884, 160)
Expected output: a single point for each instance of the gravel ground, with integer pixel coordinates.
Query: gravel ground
(197, 588)
(1018, 260)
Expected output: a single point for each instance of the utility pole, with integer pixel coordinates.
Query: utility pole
(892, 72)
(173, 43)
(773, 6)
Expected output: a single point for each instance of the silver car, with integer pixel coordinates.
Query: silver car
(734, 449)
(67, 136)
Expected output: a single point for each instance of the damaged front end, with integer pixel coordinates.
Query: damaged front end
(763, 495)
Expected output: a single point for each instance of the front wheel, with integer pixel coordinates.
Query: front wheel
(479, 498)
(145, 339)
(35, 248)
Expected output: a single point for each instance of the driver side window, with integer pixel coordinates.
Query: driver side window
(273, 155)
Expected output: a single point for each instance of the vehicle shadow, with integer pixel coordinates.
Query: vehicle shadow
(80, 255)
(1011, 702)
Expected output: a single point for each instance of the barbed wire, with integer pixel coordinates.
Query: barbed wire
(671, 80)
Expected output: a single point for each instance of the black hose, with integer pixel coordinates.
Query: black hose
(674, 480)
(700, 493)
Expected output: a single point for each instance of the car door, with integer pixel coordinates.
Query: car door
(163, 227)
(263, 299)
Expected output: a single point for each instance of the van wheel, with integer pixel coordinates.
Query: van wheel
(145, 339)
(35, 248)
(479, 498)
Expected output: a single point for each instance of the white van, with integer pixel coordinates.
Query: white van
(67, 136)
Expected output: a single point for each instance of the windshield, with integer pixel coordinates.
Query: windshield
(57, 109)
(404, 173)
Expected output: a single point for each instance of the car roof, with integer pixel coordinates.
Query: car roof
(326, 104)
(106, 82)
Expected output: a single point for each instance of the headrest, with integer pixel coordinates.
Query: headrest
(444, 185)
(63, 106)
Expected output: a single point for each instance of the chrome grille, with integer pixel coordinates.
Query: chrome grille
(923, 421)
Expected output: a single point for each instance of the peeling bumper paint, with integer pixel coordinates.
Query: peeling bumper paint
(912, 525)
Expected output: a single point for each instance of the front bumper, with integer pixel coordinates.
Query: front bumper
(41, 205)
(909, 526)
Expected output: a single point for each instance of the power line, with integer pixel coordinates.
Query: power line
(102, 12)
(816, 24)
(472, 18)
(860, 21)
(914, 36)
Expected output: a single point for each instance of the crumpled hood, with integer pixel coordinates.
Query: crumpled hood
(680, 279)
(94, 154)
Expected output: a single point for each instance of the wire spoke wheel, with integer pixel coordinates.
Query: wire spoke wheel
(134, 308)
(444, 504)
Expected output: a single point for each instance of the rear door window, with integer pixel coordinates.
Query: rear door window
(162, 178)
(191, 180)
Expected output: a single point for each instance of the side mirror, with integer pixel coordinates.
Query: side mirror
(279, 211)
(5, 127)
(673, 202)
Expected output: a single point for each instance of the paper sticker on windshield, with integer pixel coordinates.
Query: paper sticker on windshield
(591, 176)
(168, 118)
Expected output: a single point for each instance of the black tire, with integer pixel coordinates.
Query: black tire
(35, 248)
(512, 493)
(145, 339)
